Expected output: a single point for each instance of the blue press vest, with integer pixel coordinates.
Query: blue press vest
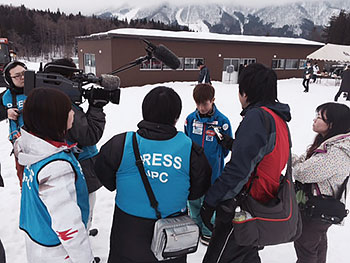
(7, 102)
(34, 217)
(167, 165)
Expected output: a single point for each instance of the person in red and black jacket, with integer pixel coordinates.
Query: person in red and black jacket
(260, 150)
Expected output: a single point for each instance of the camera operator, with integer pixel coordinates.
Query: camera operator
(87, 130)
(12, 101)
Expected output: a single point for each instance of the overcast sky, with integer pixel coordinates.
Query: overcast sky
(87, 7)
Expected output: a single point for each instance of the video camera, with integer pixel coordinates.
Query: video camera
(73, 84)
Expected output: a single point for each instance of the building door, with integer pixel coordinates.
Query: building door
(230, 70)
(89, 63)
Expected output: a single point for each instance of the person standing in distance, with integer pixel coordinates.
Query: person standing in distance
(308, 71)
(345, 84)
(204, 74)
(13, 100)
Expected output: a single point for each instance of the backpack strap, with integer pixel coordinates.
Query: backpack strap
(147, 185)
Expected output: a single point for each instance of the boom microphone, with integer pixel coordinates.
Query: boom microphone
(163, 54)
(109, 82)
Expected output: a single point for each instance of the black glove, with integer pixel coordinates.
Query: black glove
(206, 213)
(226, 141)
(226, 211)
(98, 98)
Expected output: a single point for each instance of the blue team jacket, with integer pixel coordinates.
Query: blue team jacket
(200, 131)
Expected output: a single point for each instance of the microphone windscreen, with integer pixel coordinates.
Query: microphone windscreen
(110, 82)
(166, 56)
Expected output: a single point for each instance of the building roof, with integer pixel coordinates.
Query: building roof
(332, 52)
(200, 36)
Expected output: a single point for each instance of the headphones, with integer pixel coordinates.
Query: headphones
(8, 67)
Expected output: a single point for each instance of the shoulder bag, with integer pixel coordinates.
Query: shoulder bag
(173, 237)
(326, 208)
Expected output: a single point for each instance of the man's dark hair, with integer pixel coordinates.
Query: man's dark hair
(45, 113)
(200, 63)
(336, 115)
(259, 83)
(67, 70)
(203, 93)
(161, 105)
(7, 69)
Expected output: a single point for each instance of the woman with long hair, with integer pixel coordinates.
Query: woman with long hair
(322, 170)
(54, 201)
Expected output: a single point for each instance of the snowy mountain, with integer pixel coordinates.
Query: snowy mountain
(294, 19)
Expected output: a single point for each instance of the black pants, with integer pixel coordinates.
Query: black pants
(2, 253)
(311, 247)
(339, 93)
(122, 259)
(306, 84)
(223, 249)
(131, 238)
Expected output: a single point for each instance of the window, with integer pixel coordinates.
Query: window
(302, 63)
(278, 64)
(291, 63)
(181, 67)
(89, 63)
(152, 64)
(248, 61)
(191, 63)
(229, 62)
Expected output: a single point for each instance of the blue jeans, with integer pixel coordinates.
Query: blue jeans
(194, 208)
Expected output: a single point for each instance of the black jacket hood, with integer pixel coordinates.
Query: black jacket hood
(281, 109)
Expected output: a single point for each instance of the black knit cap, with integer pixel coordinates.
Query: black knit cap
(161, 105)
(8, 67)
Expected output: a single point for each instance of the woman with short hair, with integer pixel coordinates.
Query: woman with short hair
(54, 202)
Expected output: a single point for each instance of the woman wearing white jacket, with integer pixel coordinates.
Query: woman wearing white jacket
(54, 202)
(323, 168)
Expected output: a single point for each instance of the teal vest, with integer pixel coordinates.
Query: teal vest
(14, 126)
(167, 165)
(34, 217)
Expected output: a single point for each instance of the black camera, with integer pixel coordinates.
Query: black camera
(74, 85)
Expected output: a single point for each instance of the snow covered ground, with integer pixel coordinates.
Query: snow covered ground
(126, 115)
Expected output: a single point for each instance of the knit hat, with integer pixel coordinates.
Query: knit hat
(6, 72)
(161, 105)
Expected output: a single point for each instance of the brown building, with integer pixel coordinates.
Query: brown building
(223, 54)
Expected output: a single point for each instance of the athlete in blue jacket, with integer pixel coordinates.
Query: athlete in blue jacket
(199, 126)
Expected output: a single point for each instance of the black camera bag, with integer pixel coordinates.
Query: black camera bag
(327, 208)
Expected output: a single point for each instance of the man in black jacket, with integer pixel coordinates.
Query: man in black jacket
(176, 167)
(345, 84)
(204, 75)
(87, 130)
(308, 71)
